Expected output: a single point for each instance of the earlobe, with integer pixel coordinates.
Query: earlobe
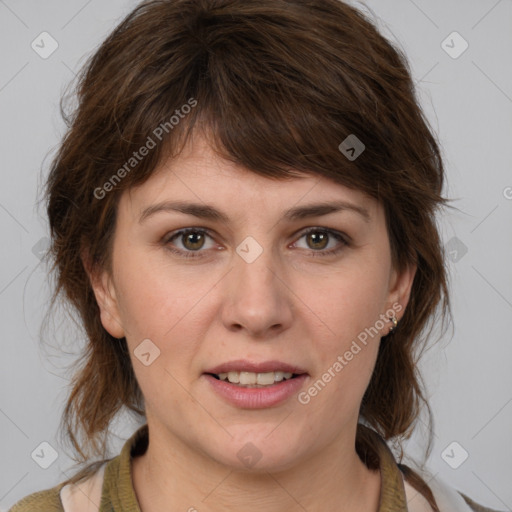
(104, 292)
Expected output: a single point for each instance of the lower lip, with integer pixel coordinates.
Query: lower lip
(256, 398)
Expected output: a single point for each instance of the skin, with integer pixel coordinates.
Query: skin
(287, 305)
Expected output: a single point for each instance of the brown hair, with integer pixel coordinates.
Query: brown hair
(277, 85)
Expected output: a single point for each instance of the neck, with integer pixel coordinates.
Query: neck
(177, 474)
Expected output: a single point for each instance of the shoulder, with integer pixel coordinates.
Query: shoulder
(447, 498)
(41, 501)
(83, 495)
(100, 483)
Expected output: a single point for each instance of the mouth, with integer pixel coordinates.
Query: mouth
(246, 373)
(251, 385)
(245, 379)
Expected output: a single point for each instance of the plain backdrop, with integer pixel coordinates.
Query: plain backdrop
(459, 52)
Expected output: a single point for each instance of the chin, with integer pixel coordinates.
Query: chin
(259, 452)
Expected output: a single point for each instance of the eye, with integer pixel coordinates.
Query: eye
(318, 239)
(192, 241)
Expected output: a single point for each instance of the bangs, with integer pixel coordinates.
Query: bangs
(270, 96)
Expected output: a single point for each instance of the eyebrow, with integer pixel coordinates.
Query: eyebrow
(204, 211)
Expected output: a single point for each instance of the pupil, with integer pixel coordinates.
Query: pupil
(322, 237)
(192, 240)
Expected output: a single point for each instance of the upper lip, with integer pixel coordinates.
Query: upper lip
(242, 365)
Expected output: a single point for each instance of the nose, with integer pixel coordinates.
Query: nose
(257, 297)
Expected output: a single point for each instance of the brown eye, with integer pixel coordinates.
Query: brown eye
(193, 240)
(318, 239)
(190, 242)
(323, 242)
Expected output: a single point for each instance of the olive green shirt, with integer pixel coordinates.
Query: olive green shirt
(118, 495)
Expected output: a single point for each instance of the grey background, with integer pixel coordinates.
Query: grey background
(468, 101)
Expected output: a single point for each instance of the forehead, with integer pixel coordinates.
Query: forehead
(201, 175)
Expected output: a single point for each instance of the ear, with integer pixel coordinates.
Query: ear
(400, 286)
(104, 291)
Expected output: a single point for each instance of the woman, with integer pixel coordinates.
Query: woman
(243, 214)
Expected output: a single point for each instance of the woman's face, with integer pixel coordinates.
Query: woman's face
(249, 290)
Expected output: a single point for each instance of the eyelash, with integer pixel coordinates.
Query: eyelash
(197, 254)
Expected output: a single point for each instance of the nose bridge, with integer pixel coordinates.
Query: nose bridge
(257, 298)
(256, 268)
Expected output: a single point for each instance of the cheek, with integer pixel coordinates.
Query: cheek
(345, 363)
(163, 308)
(172, 309)
(155, 300)
(349, 307)
(352, 302)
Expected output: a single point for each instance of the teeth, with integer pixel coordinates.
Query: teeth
(264, 379)
(248, 378)
(234, 377)
(255, 379)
